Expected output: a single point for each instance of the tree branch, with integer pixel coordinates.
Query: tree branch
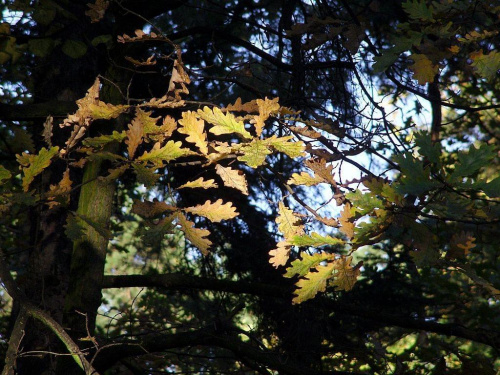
(36, 111)
(27, 308)
(206, 337)
(182, 282)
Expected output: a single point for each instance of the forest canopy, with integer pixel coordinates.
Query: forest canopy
(271, 187)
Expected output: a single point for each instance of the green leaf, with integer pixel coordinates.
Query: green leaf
(488, 65)
(315, 239)
(419, 11)
(98, 142)
(415, 179)
(44, 13)
(254, 153)
(171, 151)
(74, 48)
(41, 47)
(223, 123)
(472, 161)
(428, 149)
(146, 176)
(300, 267)
(283, 144)
(33, 165)
(106, 39)
(4, 173)
(313, 283)
(363, 203)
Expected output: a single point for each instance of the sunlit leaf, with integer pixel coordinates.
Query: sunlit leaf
(195, 235)
(315, 240)
(33, 165)
(194, 129)
(199, 183)
(345, 275)
(224, 123)
(254, 153)
(280, 255)
(301, 267)
(171, 151)
(312, 283)
(289, 224)
(214, 211)
(232, 178)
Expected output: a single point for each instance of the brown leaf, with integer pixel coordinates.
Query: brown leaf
(134, 136)
(97, 10)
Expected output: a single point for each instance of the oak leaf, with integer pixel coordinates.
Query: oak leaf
(134, 136)
(345, 276)
(97, 10)
(254, 153)
(214, 211)
(199, 183)
(424, 70)
(312, 283)
(300, 267)
(195, 235)
(171, 151)
(346, 225)
(224, 123)
(238, 106)
(267, 107)
(61, 190)
(194, 129)
(280, 255)
(289, 224)
(33, 165)
(283, 144)
(149, 210)
(460, 245)
(232, 178)
(304, 178)
(320, 169)
(315, 240)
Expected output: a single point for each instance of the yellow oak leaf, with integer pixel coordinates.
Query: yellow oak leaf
(194, 129)
(172, 150)
(178, 81)
(61, 190)
(301, 267)
(224, 123)
(254, 153)
(238, 106)
(195, 235)
(312, 283)
(321, 170)
(315, 240)
(134, 136)
(280, 255)
(305, 178)
(346, 225)
(345, 276)
(214, 211)
(199, 183)
(33, 165)
(293, 149)
(232, 178)
(288, 223)
(423, 69)
(266, 108)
